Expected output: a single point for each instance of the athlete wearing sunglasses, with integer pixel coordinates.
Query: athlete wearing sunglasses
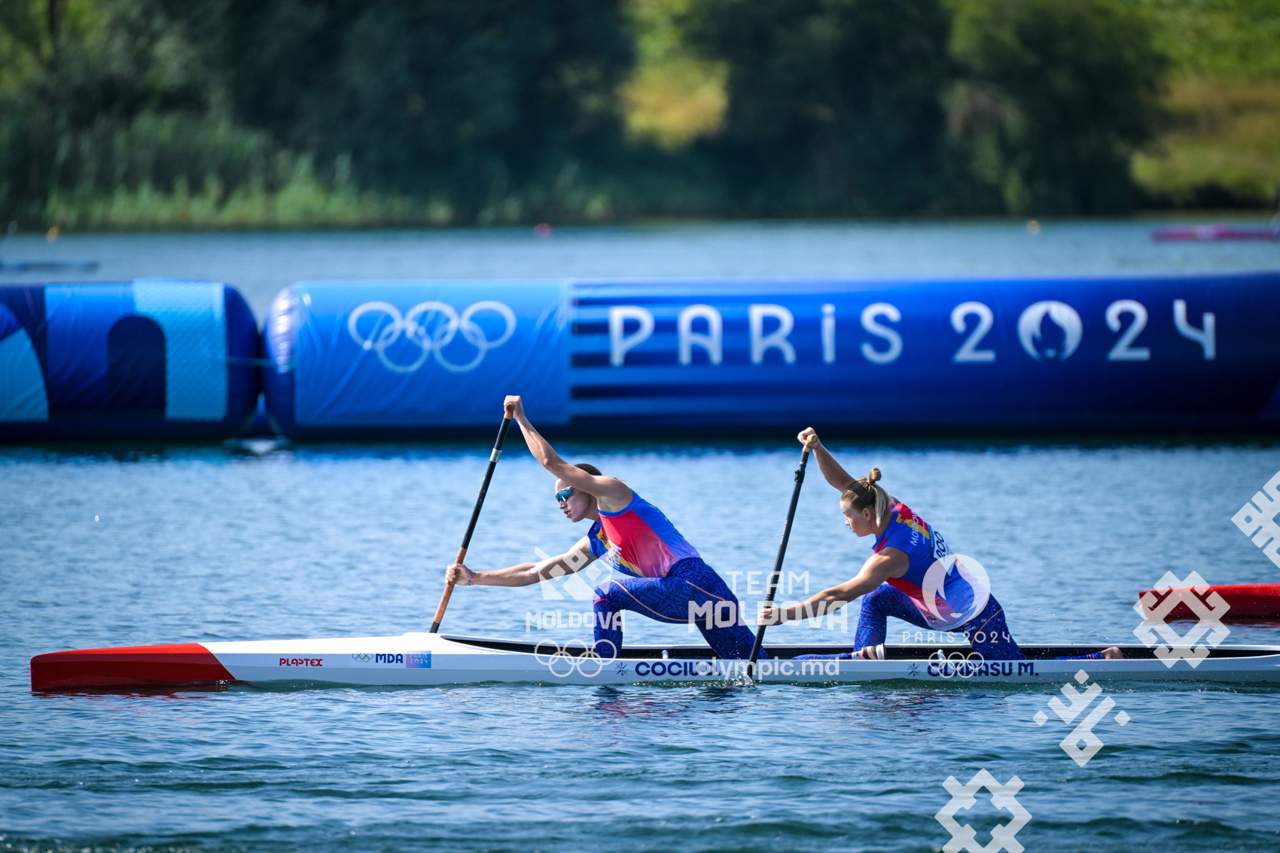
(668, 580)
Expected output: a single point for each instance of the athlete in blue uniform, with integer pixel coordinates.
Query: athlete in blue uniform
(668, 580)
(912, 575)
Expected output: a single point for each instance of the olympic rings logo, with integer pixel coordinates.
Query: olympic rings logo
(415, 327)
(562, 664)
(957, 664)
(363, 657)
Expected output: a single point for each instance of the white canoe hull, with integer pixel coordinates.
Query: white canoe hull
(421, 659)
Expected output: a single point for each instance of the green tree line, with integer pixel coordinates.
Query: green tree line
(261, 113)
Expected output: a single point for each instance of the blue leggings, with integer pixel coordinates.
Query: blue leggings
(689, 583)
(988, 632)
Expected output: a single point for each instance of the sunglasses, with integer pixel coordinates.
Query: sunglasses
(564, 494)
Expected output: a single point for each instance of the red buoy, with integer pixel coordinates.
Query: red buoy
(1245, 600)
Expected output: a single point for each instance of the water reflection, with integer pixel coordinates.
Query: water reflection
(620, 703)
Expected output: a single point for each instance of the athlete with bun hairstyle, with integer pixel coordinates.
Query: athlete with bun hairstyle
(896, 580)
(668, 579)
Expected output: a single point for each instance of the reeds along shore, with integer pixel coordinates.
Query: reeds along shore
(139, 114)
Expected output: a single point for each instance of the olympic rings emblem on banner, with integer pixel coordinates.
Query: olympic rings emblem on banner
(562, 663)
(363, 657)
(432, 343)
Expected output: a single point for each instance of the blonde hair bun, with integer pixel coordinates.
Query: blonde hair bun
(864, 493)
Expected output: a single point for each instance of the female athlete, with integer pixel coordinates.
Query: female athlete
(911, 575)
(668, 581)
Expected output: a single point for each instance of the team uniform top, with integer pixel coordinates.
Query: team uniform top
(912, 535)
(638, 540)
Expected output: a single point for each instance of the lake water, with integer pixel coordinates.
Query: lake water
(260, 264)
(120, 546)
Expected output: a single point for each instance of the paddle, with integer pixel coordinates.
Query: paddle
(475, 513)
(782, 553)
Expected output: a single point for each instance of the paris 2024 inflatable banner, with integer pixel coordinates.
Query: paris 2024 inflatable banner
(391, 359)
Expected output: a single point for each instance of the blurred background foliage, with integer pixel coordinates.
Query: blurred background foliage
(341, 113)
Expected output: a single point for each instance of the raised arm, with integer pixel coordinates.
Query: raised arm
(889, 563)
(612, 494)
(831, 469)
(575, 559)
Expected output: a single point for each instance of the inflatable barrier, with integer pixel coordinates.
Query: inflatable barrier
(370, 359)
(148, 360)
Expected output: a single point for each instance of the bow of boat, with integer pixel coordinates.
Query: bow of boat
(139, 667)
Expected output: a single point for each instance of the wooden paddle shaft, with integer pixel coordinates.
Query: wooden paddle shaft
(782, 555)
(475, 515)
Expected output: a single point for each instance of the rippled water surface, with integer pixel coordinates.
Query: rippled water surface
(122, 546)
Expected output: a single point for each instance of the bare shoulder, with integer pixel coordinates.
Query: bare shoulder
(614, 496)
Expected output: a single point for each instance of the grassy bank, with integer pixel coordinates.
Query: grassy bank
(143, 115)
(1220, 144)
(302, 202)
(1221, 148)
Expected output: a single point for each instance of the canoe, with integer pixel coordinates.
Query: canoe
(421, 659)
(1244, 601)
(1211, 233)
